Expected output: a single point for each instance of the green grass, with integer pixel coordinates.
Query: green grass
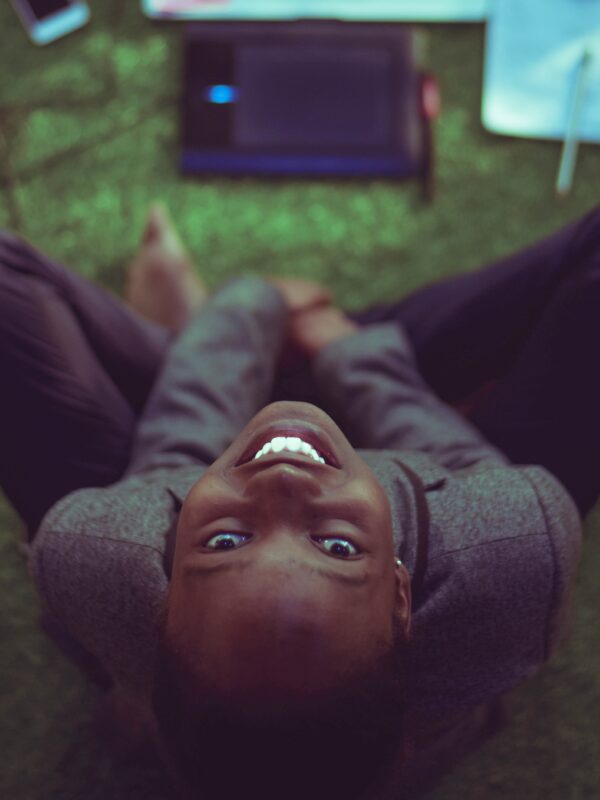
(88, 137)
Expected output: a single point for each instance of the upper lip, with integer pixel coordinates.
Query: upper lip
(312, 437)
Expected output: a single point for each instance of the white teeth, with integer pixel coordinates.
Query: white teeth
(264, 450)
(278, 444)
(292, 443)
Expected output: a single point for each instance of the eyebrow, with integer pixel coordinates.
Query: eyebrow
(355, 512)
(240, 566)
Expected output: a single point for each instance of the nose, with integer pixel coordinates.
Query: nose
(283, 481)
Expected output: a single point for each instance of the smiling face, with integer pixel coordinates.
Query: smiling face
(284, 572)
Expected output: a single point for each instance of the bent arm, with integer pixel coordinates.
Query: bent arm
(216, 376)
(564, 529)
(371, 381)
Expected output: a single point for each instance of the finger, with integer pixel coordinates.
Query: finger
(311, 304)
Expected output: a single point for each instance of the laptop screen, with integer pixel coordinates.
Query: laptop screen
(307, 95)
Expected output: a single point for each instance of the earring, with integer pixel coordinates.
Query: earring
(398, 562)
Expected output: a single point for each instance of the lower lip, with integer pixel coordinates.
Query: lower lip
(310, 436)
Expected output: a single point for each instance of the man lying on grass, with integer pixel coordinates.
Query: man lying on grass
(316, 547)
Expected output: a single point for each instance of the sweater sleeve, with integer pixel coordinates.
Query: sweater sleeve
(371, 382)
(504, 549)
(98, 563)
(564, 530)
(216, 376)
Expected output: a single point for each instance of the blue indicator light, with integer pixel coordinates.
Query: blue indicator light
(221, 94)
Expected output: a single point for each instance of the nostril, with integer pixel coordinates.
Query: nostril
(284, 479)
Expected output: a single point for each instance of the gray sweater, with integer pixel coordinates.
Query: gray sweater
(504, 540)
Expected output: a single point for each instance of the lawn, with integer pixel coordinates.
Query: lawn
(88, 138)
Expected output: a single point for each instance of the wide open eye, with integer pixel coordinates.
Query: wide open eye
(225, 541)
(340, 546)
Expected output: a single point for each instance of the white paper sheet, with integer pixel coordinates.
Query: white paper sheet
(349, 10)
(533, 51)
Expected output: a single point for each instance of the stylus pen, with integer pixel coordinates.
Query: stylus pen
(568, 156)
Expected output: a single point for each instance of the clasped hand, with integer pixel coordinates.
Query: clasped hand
(313, 321)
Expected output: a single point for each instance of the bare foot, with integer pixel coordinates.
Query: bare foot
(161, 282)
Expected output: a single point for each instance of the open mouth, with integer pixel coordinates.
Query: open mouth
(299, 444)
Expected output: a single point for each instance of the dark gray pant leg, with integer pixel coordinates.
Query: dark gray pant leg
(530, 324)
(468, 329)
(76, 366)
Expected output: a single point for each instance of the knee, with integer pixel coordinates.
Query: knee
(10, 243)
(579, 298)
(586, 242)
(20, 276)
(583, 290)
(11, 263)
(12, 253)
(20, 264)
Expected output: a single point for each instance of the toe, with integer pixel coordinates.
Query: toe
(157, 224)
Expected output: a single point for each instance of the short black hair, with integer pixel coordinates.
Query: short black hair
(338, 748)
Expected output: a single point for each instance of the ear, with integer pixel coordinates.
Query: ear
(403, 600)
